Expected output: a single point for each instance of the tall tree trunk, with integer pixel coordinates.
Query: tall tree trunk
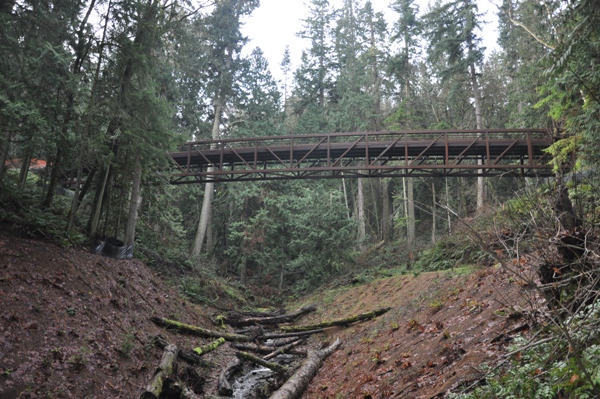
(281, 276)
(345, 196)
(243, 270)
(25, 163)
(387, 210)
(208, 190)
(134, 201)
(448, 208)
(5, 149)
(53, 178)
(98, 201)
(210, 245)
(478, 119)
(360, 207)
(80, 193)
(410, 220)
(75, 200)
(81, 50)
(433, 212)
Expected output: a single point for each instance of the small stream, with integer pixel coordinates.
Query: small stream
(257, 382)
(253, 384)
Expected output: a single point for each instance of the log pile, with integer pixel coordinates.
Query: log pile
(259, 338)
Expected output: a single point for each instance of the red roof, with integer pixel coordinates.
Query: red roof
(34, 164)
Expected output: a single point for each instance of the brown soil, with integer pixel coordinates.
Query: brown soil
(442, 328)
(76, 325)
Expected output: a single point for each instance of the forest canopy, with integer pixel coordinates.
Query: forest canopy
(101, 90)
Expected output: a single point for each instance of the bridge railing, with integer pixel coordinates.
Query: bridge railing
(442, 152)
(445, 135)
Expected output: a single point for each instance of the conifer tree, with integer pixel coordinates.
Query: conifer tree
(224, 41)
(451, 29)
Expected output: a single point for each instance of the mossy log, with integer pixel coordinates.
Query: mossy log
(237, 321)
(297, 384)
(289, 348)
(202, 350)
(186, 328)
(223, 385)
(166, 368)
(185, 355)
(339, 322)
(261, 362)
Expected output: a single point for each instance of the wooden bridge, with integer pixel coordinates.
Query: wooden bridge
(494, 152)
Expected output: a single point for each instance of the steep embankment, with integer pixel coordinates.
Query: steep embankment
(442, 328)
(76, 325)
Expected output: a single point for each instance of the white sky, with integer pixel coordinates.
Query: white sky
(275, 23)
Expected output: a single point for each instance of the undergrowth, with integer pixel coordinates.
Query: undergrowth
(550, 370)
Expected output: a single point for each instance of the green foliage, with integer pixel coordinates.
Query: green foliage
(211, 290)
(295, 226)
(127, 344)
(551, 368)
(450, 252)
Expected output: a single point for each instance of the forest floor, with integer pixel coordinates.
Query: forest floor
(77, 325)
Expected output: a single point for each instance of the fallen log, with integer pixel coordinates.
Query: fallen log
(223, 385)
(287, 349)
(339, 322)
(252, 331)
(285, 318)
(185, 355)
(261, 362)
(261, 314)
(202, 350)
(277, 343)
(268, 349)
(297, 384)
(198, 330)
(166, 368)
(293, 334)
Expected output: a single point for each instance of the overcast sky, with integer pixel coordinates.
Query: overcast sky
(275, 23)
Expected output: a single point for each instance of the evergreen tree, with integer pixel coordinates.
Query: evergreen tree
(286, 67)
(314, 78)
(451, 29)
(224, 41)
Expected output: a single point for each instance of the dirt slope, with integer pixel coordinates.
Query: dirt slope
(442, 327)
(76, 325)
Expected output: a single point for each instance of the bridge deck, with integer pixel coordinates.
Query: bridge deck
(518, 152)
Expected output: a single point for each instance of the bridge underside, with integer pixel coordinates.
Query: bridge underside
(439, 153)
